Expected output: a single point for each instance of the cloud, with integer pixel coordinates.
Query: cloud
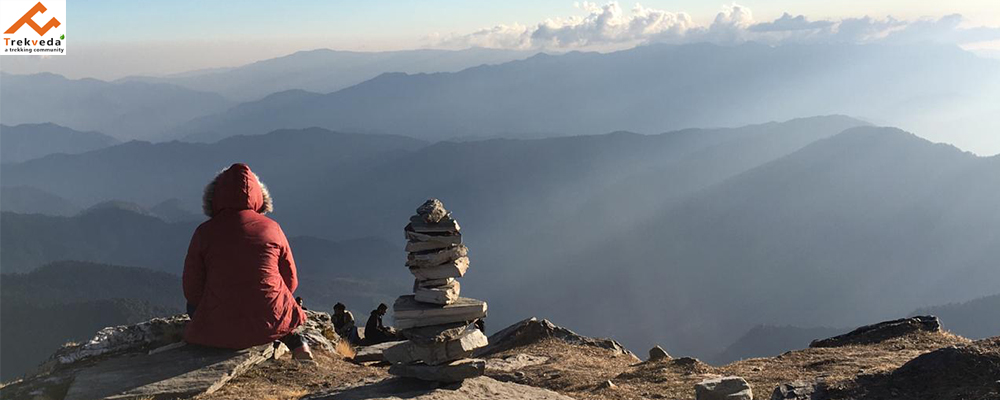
(609, 25)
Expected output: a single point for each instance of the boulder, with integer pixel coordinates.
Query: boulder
(724, 388)
(532, 330)
(409, 313)
(453, 269)
(373, 353)
(452, 372)
(657, 353)
(882, 331)
(436, 353)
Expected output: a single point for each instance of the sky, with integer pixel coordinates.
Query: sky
(109, 39)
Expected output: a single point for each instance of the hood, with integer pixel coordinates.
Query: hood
(236, 188)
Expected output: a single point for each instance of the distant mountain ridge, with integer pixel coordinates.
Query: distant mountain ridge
(325, 70)
(124, 110)
(28, 141)
(646, 89)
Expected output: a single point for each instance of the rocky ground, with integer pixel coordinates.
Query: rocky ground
(905, 359)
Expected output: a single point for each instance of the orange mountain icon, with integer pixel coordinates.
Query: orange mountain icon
(27, 19)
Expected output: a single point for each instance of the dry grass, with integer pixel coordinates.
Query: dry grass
(287, 379)
(581, 370)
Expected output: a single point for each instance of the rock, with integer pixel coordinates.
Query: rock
(657, 353)
(480, 388)
(409, 313)
(319, 333)
(436, 353)
(146, 335)
(607, 385)
(451, 372)
(436, 333)
(180, 373)
(445, 239)
(445, 225)
(415, 247)
(373, 353)
(432, 211)
(973, 367)
(800, 390)
(532, 330)
(454, 269)
(514, 362)
(882, 331)
(442, 295)
(422, 259)
(724, 388)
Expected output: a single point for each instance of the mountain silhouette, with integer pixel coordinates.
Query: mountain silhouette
(24, 142)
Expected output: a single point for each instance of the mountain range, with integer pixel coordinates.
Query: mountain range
(29, 141)
(701, 233)
(646, 89)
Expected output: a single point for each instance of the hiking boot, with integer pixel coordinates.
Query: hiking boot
(302, 354)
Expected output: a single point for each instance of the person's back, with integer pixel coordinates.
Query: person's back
(239, 274)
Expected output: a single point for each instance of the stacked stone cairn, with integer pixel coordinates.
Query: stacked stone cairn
(437, 323)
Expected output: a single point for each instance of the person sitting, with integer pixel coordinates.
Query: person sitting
(239, 273)
(343, 323)
(375, 331)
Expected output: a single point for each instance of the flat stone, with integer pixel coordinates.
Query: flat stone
(657, 353)
(436, 257)
(800, 390)
(514, 362)
(454, 269)
(724, 388)
(445, 239)
(480, 388)
(410, 352)
(409, 313)
(432, 211)
(452, 372)
(412, 246)
(373, 353)
(436, 333)
(441, 295)
(184, 372)
(446, 224)
(432, 283)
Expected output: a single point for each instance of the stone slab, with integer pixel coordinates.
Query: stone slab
(452, 372)
(441, 295)
(436, 333)
(454, 269)
(447, 239)
(179, 373)
(410, 352)
(409, 313)
(373, 353)
(724, 388)
(445, 225)
(481, 388)
(412, 246)
(431, 258)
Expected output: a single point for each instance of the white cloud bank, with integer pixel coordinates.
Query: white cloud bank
(609, 26)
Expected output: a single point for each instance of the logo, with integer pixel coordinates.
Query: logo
(27, 19)
(25, 36)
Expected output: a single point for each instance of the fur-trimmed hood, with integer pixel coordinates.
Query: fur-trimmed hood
(237, 188)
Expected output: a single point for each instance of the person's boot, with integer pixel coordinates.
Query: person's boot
(303, 354)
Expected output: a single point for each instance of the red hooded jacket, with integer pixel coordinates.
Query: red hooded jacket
(239, 272)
